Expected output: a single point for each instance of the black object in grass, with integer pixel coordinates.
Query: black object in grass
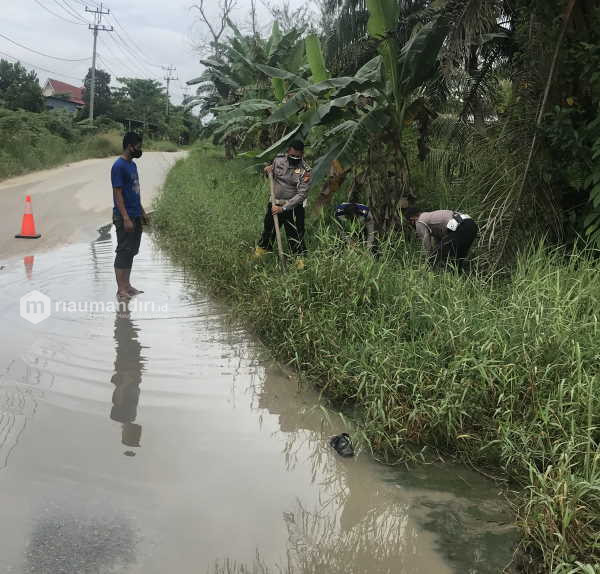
(342, 444)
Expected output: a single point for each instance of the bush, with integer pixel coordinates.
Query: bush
(160, 145)
(102, 145)
(60, 123)
(31, 141)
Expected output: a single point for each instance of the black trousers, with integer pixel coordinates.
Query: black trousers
(454, 248)
(128, 242)
(293, 222)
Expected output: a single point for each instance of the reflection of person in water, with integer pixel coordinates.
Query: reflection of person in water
(127, 376)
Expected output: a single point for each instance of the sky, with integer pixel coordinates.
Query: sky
(148, 35)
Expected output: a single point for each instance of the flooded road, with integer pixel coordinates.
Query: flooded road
(158, 438)
(70, 200)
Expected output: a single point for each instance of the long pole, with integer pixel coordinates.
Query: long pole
(98, 12)
(168, 78)
(276, 222)
(93, 79)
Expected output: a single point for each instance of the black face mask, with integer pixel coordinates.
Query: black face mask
(137, 153)
(294, 161)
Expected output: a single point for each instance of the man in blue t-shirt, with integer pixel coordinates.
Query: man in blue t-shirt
(128, 213)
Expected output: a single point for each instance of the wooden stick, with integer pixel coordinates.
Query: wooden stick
(276, 222)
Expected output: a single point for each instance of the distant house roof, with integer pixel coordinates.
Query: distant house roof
(63, 88)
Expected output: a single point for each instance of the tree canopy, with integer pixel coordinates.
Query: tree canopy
(19, 89)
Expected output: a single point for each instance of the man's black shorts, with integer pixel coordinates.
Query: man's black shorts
(128, 242)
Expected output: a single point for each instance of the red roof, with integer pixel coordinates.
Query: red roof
(63, 88)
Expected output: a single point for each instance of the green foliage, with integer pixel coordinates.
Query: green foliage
(31, 141)
(102, 95)
(315, 59)
(19, 89)
(500, 372)
(164, 146)
(248, 68)
(143, 101)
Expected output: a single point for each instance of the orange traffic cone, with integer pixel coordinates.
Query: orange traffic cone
(28, 225)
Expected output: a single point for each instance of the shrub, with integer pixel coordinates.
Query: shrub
(31, 141)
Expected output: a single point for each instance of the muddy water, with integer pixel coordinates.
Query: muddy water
(156, 438)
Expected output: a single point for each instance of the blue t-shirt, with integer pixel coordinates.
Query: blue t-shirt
(124, 174)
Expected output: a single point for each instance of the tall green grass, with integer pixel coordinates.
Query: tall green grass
(160, 145)
(30, 141)
(498, 371)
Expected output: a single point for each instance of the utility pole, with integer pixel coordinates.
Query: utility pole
(168, 79)
(186, 93)
(97, 26)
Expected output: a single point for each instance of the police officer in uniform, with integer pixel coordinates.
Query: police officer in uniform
(446, 235)
(346, 214)
(291, 178)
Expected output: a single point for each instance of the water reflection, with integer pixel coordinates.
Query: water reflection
(129, 366)
(21, 387)
(368, 518)
(100, 248)
(357, 525)
(28, 264)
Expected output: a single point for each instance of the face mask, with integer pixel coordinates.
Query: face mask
(137, 153)
(292, 160)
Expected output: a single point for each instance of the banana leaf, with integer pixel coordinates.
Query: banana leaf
(281, 142)
(419, 56)
(247, 106)
(309, 95)
(278, 86)
(232, 126)
(274, 39)
(350, 139)
(371, 71)
(314, 55)
(383, 19)
(283, 74)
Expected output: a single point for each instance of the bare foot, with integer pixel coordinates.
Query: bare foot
(123, 295)
(133, 291)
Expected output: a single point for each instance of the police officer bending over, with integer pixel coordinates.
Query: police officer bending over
(291, 178)
(446, 235)
(346, 214)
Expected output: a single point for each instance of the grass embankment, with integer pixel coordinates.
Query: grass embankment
(30, 141)
(502, 373)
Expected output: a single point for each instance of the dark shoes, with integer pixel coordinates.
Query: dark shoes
(342, 444)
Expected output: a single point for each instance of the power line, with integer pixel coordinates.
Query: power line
(84, 4)
(129, 53)
(39, 67)
(42, 53)
(118, 60)
(57, 15)
(105, 65)
(129, 63)
(135, 45)
(64, 6)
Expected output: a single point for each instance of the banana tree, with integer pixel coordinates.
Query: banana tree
(362, 122)
(236, 94)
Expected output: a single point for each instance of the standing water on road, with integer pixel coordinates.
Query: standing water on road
(155, 438)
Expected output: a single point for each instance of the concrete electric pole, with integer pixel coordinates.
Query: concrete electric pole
(168, 79)
(97, 26)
